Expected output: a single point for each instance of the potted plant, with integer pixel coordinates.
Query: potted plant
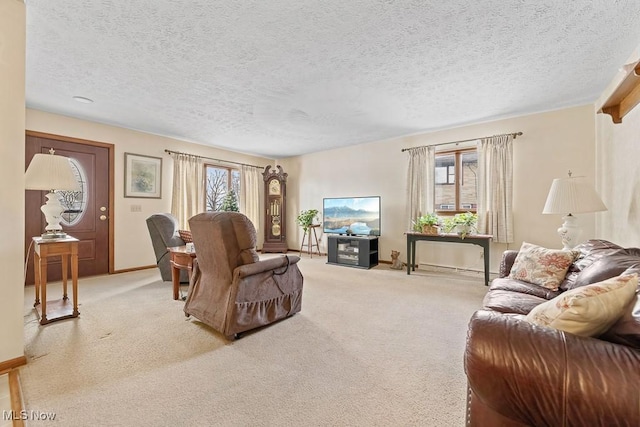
(462, 223)
(305, 218)
(427, 223)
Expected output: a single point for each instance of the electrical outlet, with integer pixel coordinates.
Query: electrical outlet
(481, 254)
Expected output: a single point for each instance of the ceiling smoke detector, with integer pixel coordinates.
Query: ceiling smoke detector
(83, 99)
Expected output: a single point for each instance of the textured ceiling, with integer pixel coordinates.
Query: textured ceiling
(285, 77)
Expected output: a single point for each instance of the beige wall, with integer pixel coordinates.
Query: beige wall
(12, 102)
(132, 242)
(618, 151)
(551, 144)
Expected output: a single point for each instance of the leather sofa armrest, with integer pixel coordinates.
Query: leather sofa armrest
(508, 258)
(279, 264)
(542, 376)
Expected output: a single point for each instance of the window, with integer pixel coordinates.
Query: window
(221, 181)
(74, 202)
(456, 180)
(445, 169)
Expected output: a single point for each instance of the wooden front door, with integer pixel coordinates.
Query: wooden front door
(87, 216)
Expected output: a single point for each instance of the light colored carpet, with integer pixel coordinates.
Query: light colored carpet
(369, 348)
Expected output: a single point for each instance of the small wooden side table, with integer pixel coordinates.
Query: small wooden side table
(310, 238)
(181, 259)
(64, 248)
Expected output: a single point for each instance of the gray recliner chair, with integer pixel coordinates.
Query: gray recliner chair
(163, 229)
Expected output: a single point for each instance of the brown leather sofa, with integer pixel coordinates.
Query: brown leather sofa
(522, 374)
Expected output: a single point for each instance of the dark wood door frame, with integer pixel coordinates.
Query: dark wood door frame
(111, 150)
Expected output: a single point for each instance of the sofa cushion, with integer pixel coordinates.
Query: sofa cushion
(612, 265)
(542, 266)
(510, 302)
(588, 310)
(590, 252)
(519, 286)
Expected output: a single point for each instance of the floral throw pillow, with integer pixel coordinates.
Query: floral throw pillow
(542, 266)
(186, 236)
(588, 310)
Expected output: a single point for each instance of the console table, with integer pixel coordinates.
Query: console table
(482, 240)
(65, 248)
(181, 259)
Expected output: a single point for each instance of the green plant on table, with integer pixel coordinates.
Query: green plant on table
(305, 218)
(462, 223)
(430, 220)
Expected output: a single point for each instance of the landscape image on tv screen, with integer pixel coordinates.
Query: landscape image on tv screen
(352, 215)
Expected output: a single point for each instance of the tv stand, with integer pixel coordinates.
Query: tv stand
(352, 251)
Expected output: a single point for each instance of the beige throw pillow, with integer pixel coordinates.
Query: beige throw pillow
(542, 266)
(588, 310)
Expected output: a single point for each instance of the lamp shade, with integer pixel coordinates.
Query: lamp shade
(571, 196)
(50, 172)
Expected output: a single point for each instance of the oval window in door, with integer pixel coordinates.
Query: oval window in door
(74, 202)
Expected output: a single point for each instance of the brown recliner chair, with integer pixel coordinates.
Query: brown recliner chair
(231, 290)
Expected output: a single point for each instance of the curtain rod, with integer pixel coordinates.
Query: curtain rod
(211, 158)
(515, 135)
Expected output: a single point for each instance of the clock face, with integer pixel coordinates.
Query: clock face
(274, 187)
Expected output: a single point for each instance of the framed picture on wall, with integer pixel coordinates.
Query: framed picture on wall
(142, 176)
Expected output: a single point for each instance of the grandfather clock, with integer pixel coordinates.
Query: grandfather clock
(275, 224)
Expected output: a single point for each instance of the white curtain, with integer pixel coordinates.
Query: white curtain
(430, 181)
(495, 187)
(420, 183)
(188, 188)
(250, 194)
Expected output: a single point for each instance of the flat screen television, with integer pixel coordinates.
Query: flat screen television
(355, 216)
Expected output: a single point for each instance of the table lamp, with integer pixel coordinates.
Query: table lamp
(51, 172)
(569, 196)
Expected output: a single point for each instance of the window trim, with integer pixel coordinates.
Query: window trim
(229, 170)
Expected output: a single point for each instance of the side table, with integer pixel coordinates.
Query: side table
(181, 259)
(64, 248)
(310, 238)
